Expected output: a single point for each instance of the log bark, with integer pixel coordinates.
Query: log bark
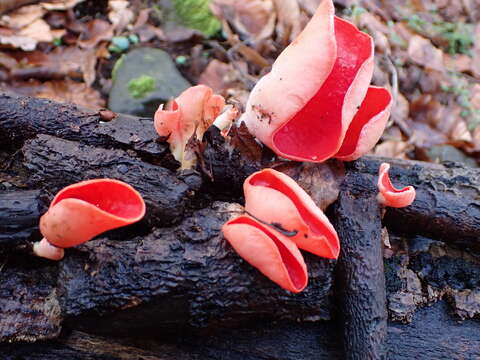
(19, 213)
(168, 280)
(433, 335)
(360, 279)
(23, 118)
(183, 274)
(447, 203)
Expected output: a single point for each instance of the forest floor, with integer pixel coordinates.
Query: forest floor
(427, 53)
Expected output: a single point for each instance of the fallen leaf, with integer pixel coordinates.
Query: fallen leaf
(60, 4)
(40, 31)
(22, 17)
(72, 92)
(288, 20)
(458, 62)
(96, 30)
(61, 62)
(310, 6)
(422, 52)
(244, 142)
(219, 76)
(254, 19)
(59, 90)
(120, 15)
(19, 42)
(393, 149)
(476, 54)
(320, 181)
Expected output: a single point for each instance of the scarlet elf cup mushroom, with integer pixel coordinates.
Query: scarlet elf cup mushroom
(389, 195)
(84, 210)
(189, 115)
(316, 102)
(281, 218)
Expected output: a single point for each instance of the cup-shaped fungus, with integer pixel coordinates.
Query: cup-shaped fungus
(272, 253)
(84, 210)
(278, 200)
(390, 196)
(316, 102)
(191, 113)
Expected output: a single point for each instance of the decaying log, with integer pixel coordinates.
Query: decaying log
(23, 118)
(19, 213)
(360, 279)
(170, 279)
(447, 204)
(433, 335)
(54, 163)
(175, 271)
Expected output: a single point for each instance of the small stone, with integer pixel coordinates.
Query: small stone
(142, 80)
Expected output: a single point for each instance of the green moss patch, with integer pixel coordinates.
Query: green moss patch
(141, 86)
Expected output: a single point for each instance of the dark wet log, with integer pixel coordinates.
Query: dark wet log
(433, 335)
(169, 280)
(447, 205)
(360, 279)
(29, 308)
(22, 118)
(19, 214)
(54, 163)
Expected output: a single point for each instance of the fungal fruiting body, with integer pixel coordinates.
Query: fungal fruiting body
(84, 210)
(189, 115)
(316, 102)
(389, 195)
(281, 217)
(277, 199)
(272, 253)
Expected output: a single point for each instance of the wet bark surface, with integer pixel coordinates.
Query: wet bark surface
(360, 285)
(174, 273)
(432, 335)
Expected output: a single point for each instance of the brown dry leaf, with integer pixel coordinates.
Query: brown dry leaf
(61, 62)
(472, 7)
(422, 52)
(60, 4)
(320, 181)
(310, 6)
(11, 39)
(59, 90)
(250, 54)
(288, 20)
(475, 96)
(244, 142)
(72, 92)
(254, 19)
(22, 16)
(476, 139)
(219, 76)
(97, 30)
(476, 54)
(393, 149)
(425, 136)
(458, 63)
(40, 31)
(120, 15)
(379, 31)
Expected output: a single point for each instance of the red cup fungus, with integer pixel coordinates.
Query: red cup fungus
(84, 210)
(281, 217)
(190, 114)
(316, 102)
(388, 194)
(272, 253)
(277, 199)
